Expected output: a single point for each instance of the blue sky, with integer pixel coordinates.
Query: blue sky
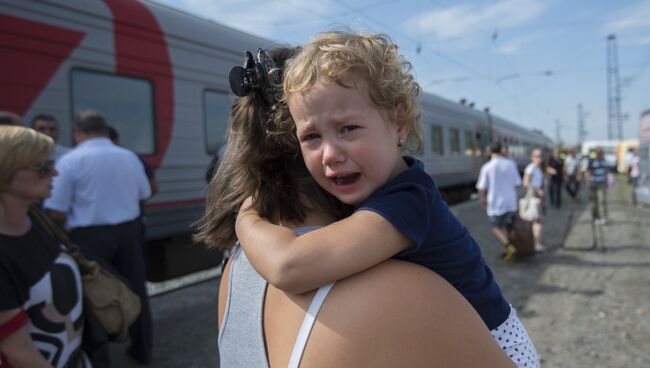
(530, 61)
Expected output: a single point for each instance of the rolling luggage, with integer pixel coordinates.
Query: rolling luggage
(521, 235)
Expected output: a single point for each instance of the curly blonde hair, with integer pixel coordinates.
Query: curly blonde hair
(259, 165)
(371, 59)
(21, 148)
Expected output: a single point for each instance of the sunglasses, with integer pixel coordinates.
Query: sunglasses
(45, 169)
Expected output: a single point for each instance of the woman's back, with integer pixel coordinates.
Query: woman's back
(394, 314)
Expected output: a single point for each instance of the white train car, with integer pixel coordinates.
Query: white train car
(160, 76)
(456, 136)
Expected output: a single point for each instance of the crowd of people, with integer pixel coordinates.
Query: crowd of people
(335, 233)
(42, 318)
(548, 172)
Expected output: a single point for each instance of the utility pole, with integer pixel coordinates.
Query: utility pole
(582, 133)
(558, 137)
(614, 117)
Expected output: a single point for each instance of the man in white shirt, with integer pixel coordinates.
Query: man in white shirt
(497, 185)
(97, 195)
(47, 124)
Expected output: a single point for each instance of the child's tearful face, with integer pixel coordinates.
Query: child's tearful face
(350, 146)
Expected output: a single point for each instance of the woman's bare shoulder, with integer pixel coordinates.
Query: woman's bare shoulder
(400, 314)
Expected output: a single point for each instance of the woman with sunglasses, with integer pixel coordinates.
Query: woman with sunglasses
(41, 315)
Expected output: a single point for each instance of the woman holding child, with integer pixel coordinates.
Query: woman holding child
(354, 104)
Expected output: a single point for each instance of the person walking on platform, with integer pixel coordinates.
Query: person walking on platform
(47, 124)
(629, 156)
(572, 172)
(555, 171)
(534, 183)
(596, 176)
(634, 172)
(97, 195)
(497, 185)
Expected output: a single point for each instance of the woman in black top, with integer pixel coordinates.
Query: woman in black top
(41, 309)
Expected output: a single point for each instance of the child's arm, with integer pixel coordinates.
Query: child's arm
(301, 263)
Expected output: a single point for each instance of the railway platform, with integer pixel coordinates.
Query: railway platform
(582, 306)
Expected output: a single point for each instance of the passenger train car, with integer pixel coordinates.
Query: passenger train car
(160, 76)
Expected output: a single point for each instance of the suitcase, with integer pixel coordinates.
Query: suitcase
(521, 235)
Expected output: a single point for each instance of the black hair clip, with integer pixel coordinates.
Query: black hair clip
(254, 75)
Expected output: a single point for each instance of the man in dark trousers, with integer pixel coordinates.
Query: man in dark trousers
(97, 195)
(556, 172)
(114, 136)
(596, 177)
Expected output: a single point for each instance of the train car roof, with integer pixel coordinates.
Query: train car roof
(441, 104)
(431, 101)
(211, 34)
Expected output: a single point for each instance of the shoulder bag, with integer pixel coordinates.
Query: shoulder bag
(529, 206)
(109, 298)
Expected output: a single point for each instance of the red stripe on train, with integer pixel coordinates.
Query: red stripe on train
(23, 76)
(141, 51)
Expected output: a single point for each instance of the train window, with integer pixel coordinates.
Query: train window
(127, 104)
(469, 143)
(436, 140)
(217, 112)
(454, 141)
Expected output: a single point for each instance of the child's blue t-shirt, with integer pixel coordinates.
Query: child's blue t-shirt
(412, 203)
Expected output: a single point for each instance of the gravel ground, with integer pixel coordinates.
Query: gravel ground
(583, 307)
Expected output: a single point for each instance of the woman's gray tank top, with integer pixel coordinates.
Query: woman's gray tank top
(241, 337)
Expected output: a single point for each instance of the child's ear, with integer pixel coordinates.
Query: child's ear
(403, 126)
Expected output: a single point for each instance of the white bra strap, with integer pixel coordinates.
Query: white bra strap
(307, 325)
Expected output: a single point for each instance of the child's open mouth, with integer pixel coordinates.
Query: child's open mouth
(346, 179)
